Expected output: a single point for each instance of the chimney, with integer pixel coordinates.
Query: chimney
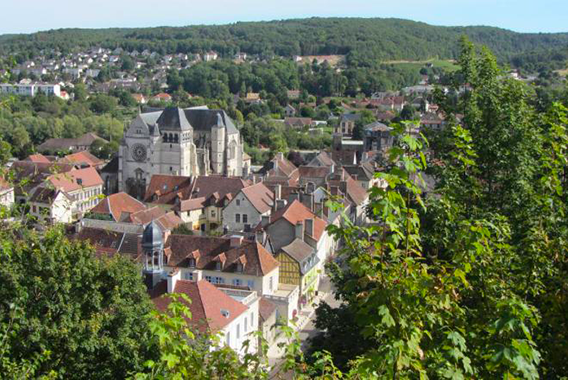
(236, 241)
(278, 191)
(260, 236)
(294, 197)
(265, 220)
(173, 277)
(308, 201)
(299, 230)
(309, 227)
(343, 187)
(280, 204)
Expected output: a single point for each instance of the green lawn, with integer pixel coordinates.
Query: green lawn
(444, 64)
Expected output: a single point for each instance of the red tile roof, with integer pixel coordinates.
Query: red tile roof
(259, 196)
(207, 304)
(38, 158)
(76, 179)
(118, 204)
(259, 261)
(82, 157)
(296, 212)
(164, 189)
(265, 308)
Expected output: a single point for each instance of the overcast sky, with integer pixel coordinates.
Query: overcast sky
(519, 15)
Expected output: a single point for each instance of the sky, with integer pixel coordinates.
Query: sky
(518, 15)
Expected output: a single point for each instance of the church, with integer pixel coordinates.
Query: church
(186, 142)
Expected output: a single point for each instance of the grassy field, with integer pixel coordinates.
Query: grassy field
(448, 65)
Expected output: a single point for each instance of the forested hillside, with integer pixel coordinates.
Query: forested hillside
(359, 39)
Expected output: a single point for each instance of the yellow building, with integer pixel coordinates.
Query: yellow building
(298, 267)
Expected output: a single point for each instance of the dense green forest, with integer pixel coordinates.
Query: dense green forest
(361, 40)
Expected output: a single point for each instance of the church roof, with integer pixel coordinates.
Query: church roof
(173, 118)
(203, 120)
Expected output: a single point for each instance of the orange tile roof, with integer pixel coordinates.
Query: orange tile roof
(76, 179)
(38, 158)
(82, 157)
(207, 303)
(259, 196)
(118, 204)
(296, 212)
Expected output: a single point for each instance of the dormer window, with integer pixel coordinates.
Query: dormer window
(240, 267)
(218, 265)
(192, 263)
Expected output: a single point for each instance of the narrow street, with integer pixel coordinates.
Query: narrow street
(306, 324)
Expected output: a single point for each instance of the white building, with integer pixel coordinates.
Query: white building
(30, 89)
(175, 141)
(51, 205)
(246, 209)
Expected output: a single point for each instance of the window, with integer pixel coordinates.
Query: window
(192, 263)
(237, 282)
(238, 202)
(270, 283)
(245, 218)
(208, 278)
(228, 338)
(245, 326)
(238, 331)
(218, 265)
(240, 267)
(188, 276)
(250, 284)
(212, 213)
(237, 218)
(251, 320)
(215, 280)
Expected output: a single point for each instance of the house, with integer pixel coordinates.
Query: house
(293, 94)
(186, 195)
(247, 208)
(231, 313)
(322, 159)
(7, 197)
(279, 170)
(347, 123)
(364, 174)
(75, 145)
(210, 56)
(268, 319)
(51, 205)
(83, 159)
(298, 122)
(378, 137)
(342, 185)
(289, 111)
(38, 158)
(31, 89)
(432, 121)
(140, 99)
(117, 207)
(301, 244)
(83, 186)
(162, 97)
(28, 175)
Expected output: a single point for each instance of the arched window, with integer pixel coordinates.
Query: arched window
(176, 138)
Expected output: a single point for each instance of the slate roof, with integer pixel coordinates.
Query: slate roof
(120, 206)
(173, 118)
(207, 304)
(45, 195)
(204, 119)
(259, 196)
(61, 144)
(215, 188)
(258, 261)
(299, 250)
(363, 171)
(105, 242)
